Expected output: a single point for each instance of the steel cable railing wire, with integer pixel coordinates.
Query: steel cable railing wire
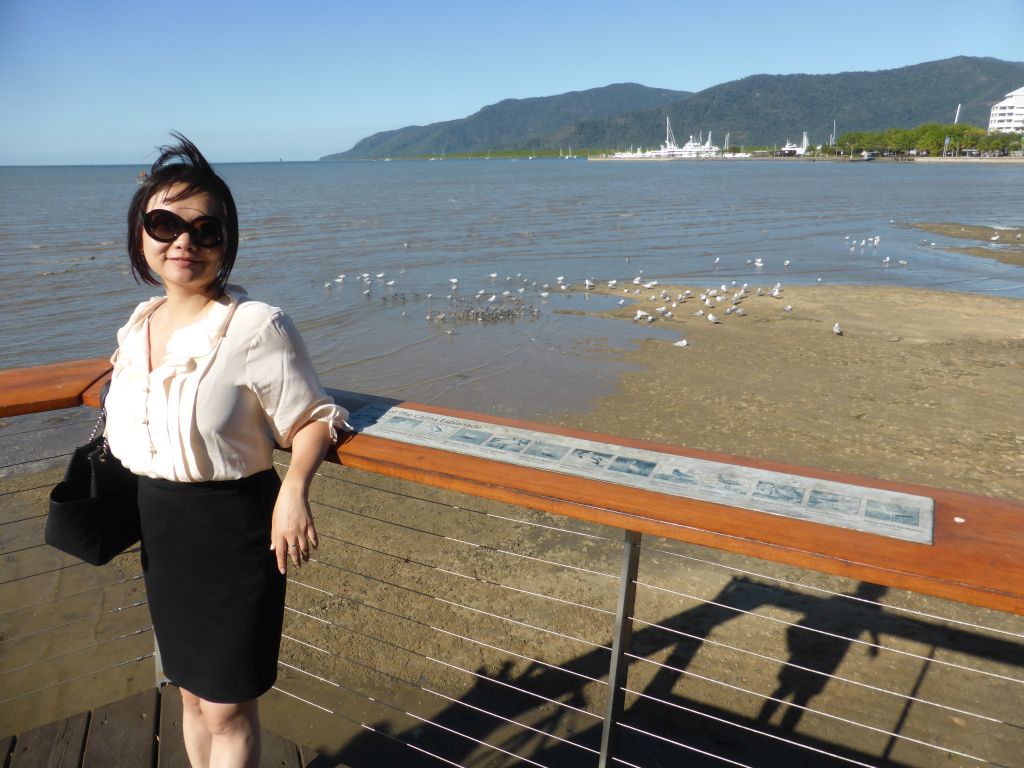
(64, 567)
(449, 665)
(485, 547)
(370, 728)
(833, 635)
(97, 644)
(72, 594)
(725, 721)
(432, 692)
(617, 541)
(837, 678)
(447, 632)
(55, 627)
(765, 657)
(414, 716)
(435, 598)
(92, 673)
(468, 577)
(831, 593)
(820, 590)
(788, 582)
(803, 708)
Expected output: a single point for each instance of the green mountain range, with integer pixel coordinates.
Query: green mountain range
(756, 110)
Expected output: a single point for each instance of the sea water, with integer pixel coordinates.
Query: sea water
(65, 285)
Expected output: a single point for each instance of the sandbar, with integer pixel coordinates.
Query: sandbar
(922, 386)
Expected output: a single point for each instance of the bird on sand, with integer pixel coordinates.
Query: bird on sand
(837, 330)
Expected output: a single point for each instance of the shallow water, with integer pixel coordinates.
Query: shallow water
(64, 276)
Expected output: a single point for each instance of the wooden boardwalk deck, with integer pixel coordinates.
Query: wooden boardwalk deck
(140, 731)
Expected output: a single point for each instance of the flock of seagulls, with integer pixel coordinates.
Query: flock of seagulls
(511, 298)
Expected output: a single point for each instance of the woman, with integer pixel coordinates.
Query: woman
(205, 382)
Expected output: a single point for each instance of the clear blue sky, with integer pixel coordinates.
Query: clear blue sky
(104, 81)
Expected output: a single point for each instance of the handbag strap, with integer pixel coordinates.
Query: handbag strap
(101, 422)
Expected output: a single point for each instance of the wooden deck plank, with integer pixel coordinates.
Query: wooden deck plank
(56, 745)
(123, 733)
(277, 752)
(171, 751)
(127, 734)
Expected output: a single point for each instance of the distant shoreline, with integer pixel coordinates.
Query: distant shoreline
(950, 160)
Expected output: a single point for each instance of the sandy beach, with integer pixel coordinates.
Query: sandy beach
(922, 386)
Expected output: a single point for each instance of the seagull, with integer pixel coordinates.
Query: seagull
(739, 311)
(544, 294)
(621, 302)
(699, 313)
(713, 319)
(788, 308)
(786, 263)
(612, 283)
(680, 343)
(717, 260)
(327, 285)
(837, 330)
(493, 275)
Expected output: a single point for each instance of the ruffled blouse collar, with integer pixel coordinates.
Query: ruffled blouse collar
(186, 345)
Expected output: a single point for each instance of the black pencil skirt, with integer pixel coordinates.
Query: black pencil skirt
(215, 594)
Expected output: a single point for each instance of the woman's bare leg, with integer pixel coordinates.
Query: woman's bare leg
(197, 735)
(221, 735)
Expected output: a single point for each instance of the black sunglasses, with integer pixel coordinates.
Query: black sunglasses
(205, 231)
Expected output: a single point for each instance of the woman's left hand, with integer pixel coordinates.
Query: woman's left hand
(292, 533)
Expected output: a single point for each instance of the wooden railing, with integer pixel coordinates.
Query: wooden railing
(976, 556)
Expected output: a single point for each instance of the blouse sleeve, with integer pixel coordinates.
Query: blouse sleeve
(280, 372)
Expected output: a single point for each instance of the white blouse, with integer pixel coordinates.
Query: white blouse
(230, 386)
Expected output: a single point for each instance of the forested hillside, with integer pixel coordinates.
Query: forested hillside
(757, 110)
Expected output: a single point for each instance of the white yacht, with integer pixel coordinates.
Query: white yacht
(670, 150)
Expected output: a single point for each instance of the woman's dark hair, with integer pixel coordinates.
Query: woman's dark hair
(182, 164)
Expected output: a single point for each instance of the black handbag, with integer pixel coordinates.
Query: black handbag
(94, 510)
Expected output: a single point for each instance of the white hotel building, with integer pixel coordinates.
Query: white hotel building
(1008, 115)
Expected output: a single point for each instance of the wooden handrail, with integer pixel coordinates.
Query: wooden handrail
(49, 387)
(976, 557)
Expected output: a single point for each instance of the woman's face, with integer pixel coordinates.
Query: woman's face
(182, 265)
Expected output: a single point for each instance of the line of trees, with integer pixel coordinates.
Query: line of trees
(931, 139)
